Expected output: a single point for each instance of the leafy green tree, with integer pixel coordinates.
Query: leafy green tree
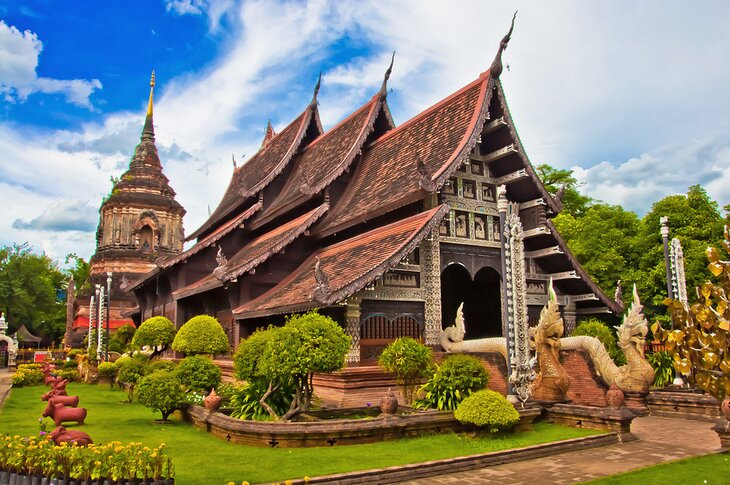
(574, 203)
(161, 391)
(157, 333)
(131, 370)
(409, 360)
(79, 268)
(306, 344)
(31, 291)
(695, 219)
(604, 241)
(201, 335)
(122, 339)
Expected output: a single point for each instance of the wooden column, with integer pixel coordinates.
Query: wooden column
(352, 328)
(569, 318)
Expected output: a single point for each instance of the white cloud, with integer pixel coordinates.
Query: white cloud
(63, 216)
(19, 52)
(213, 9)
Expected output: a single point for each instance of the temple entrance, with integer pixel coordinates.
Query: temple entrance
(481, 297)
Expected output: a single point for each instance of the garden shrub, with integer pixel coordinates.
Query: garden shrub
(489, 410)
(594, 327)
(199, 373)
(107, 369)
(226, 390)
(130, 372)
(409, 360)
(161, 391)
(201, 335)
(71, 374)
(244, 400)
(69, 364)
(167, 365)
(27, 375)
(71, 354)
(457, 377)
(156, 333)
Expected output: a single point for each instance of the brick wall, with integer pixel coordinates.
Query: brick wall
(586, 388)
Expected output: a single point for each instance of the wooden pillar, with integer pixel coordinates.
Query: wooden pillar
(569, 318)
(352, 328)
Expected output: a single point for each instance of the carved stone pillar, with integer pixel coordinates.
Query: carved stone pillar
(352, 328)
(431, 280)
(569, 318)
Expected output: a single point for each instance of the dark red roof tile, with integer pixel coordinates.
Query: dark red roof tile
(348, 265)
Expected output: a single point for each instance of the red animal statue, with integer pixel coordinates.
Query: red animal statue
(70, 401)
(62, 414)
(48, 379)
(53, 392)
(62, 435)
(59, 383)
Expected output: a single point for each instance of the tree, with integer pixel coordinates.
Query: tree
(161, 391)
(122, 338)
(79, 269)
(156, 333)
(31, 291)
(409, 360)
(201, 335)
(699, 342)
(131, 370)
(198, 373)
(306, 344)
(574, 203)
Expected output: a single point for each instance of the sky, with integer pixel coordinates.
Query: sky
(632, 96)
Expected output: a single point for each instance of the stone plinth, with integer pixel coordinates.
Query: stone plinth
(636, 402)
(683, 404)
(722, 428)
(616, 420)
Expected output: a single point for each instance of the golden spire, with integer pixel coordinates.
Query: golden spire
(152, 92)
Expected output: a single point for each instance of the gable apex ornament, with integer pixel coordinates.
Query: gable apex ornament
(495, 70)
(314, 101)
(384, 87)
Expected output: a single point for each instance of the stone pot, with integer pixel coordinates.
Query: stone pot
(725, 408)
(212, 401)
(614, 397)
(389, 403)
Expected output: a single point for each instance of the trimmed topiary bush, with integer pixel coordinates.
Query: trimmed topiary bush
(489, 410)
(199, 373)
(161, 391)
(71, 374)
(409, 360)
(456, 378)
(156, 333)
(594, 327)
(200, 335)
(167, 365)
(130, 372)
(107, 369)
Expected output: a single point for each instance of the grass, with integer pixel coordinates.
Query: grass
(202, 458)
(711, 469)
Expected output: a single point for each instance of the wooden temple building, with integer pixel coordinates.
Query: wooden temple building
(385, 228)
(139, 223)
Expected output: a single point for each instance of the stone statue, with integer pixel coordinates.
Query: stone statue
(452, 339)
(551, 382)
(637, 374)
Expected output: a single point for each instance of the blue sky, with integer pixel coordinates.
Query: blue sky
(632, 96)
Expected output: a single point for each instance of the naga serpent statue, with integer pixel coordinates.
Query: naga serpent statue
(551, 382)
(636, 375)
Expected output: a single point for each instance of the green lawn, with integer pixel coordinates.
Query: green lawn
(200, 458)
(703, 470)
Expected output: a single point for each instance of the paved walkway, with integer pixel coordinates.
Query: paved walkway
(660, 440)
(5, 383)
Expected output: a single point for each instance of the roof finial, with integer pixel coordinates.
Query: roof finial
(268, 134)
(496, 67)
(316, 90)
(148, 132)
(384, 88)
(152, 92)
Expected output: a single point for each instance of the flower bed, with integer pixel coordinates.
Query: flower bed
(37, 460)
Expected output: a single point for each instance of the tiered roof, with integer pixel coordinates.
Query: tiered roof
(378, 169)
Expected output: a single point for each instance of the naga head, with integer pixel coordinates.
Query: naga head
(550, 327)
(634, 327)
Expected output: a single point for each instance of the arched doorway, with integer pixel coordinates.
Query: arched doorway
(481, 297)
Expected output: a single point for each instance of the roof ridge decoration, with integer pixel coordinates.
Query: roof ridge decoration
(496, 68)
(323, 290)
(314, 101)
(383, 93)
(269, 134)
(221, 259)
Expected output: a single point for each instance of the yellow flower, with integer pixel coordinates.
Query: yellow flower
(231, 483)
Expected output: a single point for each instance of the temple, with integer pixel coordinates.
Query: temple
(139, 222)
(386, 229)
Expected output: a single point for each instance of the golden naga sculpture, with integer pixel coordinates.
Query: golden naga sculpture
(637, 374)
(551, 382)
